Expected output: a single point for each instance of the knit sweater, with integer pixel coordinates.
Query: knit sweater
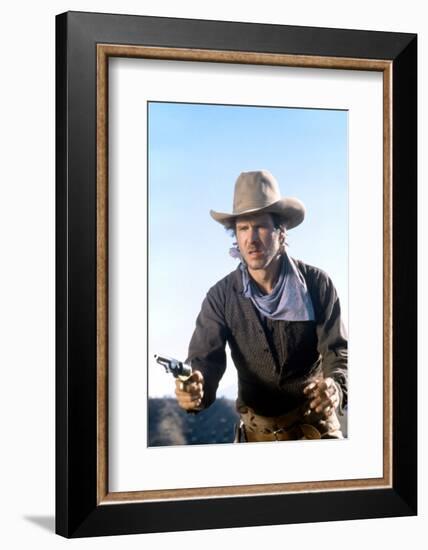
(275, 360)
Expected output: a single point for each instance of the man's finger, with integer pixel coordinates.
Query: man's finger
(314, 395)
(331, 384)
(180, 384)
(315, 402)
(188, 399)
(325, 404)
(197, 397)
(187, 386)
(325, 394)
(188, 395)
(323, 385)
(193, 388)
(196, 376)
(310, 387)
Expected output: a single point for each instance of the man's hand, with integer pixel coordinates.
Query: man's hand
(190, 393)
(323, 396)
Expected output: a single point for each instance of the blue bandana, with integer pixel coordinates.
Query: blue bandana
(289, 299)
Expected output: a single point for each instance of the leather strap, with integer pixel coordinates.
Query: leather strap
(291, 426)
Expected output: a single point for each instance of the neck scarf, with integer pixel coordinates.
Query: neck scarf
(289, 299)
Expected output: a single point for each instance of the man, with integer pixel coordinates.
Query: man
(281, 320)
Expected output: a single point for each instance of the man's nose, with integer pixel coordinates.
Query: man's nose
(254, 234)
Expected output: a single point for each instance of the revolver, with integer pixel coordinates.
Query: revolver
(174, 366)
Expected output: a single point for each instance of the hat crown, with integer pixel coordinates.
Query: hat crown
(258, 192)
(255, 190)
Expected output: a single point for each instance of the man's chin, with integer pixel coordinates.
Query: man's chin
(256, 264)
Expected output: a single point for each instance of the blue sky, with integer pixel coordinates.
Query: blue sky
(196, 152)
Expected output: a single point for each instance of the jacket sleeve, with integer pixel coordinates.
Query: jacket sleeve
(332, 339)
(207, 345)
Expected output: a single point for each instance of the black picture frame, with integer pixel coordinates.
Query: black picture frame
(79, 513)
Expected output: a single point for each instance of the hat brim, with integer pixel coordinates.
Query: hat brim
(290, 209)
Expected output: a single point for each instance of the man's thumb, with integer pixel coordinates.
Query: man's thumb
(196, 376)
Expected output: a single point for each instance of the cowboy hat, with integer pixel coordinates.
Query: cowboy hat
(258, 192)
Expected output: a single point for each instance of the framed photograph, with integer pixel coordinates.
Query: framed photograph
(236, 206)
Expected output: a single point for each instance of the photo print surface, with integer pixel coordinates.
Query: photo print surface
(196, 154)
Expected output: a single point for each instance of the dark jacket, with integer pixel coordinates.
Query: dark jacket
(275, 360)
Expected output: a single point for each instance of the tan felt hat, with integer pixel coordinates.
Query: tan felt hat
(258, 192)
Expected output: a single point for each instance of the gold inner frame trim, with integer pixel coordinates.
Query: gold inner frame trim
(104, 51)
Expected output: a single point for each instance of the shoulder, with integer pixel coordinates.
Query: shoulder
(220, 294)
(225, 285)
(314, 274)
(319, 282)
(218, 297)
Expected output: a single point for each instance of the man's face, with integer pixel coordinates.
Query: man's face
(258, 240)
